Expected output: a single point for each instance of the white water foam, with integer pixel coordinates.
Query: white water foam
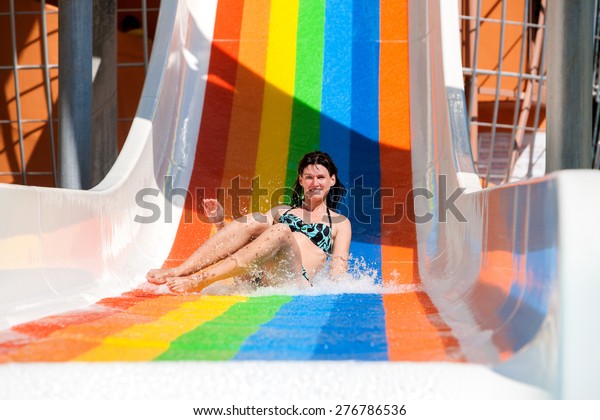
(361, 278)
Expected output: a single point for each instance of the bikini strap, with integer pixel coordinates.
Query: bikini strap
(328, 215)
(284, 213)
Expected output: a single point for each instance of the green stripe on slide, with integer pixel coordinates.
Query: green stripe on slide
(306, 111)
(221, 338)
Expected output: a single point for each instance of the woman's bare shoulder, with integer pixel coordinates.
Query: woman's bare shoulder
(338, 217)
(339, 220)
(277, 211)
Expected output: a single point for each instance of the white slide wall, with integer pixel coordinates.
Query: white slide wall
(517, 278)
(63, 249)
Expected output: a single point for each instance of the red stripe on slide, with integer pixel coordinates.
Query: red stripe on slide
(214, 129)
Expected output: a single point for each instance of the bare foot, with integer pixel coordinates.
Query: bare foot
(159, 275)
(186, 284)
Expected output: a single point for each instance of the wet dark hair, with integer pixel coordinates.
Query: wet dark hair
(337, 191)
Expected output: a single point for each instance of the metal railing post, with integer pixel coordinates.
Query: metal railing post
(75, 93)
(569, 84)
(145, 27)
(48, 90)
(104, 104)
(473, 112)
(15, 66)
(501, 53)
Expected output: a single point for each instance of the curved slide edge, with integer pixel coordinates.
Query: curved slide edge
(64, 249)
(511, 268)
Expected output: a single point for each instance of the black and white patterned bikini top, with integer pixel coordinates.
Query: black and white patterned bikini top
(319, 233)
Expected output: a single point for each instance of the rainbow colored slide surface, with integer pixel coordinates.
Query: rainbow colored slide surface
(236, 93)
(275, 91)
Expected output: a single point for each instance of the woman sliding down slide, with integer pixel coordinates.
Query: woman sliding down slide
(286, 244)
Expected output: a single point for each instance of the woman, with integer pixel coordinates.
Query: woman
(286, 244)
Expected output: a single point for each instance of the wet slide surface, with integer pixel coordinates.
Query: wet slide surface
(285, 78)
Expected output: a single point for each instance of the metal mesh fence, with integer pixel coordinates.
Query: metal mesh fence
(29, 79)
(504, 59)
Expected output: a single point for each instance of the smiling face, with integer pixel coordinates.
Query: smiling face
(316, 182)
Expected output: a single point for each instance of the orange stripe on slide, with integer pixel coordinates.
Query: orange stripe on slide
(414, 327)
(69, 342)
(244, 130)
(415, 330)
(41, 328)
(398, 234)
(214, 128)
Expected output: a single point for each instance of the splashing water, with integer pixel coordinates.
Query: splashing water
(362, 278)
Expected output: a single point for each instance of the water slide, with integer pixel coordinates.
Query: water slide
(456, 292)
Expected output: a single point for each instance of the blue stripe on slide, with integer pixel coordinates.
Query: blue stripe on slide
(364, 140)
(293, 333)
(337, 86)
(355, 330)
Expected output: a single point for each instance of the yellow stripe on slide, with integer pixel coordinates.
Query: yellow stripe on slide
(146, 341)
(278, 98)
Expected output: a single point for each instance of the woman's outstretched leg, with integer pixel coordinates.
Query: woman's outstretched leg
(277, 243)
(224, 243)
